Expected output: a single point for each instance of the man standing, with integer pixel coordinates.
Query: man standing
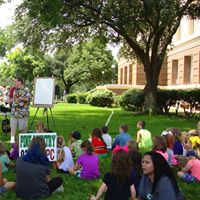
(20, 108)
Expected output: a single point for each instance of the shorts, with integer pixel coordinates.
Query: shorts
(21, 123)
(78, 174)
(2, 189)
(189, 178)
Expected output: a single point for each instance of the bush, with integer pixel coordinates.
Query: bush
(166, 98)
(81, 98)
(132, 100)
(101, 98)
(71, 98)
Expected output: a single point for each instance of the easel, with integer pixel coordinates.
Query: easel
(44, 88)
(47, 117)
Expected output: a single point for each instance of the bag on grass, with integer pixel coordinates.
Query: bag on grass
(6, 126)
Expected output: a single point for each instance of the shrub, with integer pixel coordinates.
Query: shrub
(81, 98)
(71, 98)
(132, 100)
(101, 98)
(166, 98)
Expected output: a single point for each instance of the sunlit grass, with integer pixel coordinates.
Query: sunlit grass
(70, 117)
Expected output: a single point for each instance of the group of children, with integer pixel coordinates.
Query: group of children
(123, 180)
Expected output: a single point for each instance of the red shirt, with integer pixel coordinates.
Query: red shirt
(11, 92)
(99, 146)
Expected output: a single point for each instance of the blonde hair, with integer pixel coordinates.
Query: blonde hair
(61, 152)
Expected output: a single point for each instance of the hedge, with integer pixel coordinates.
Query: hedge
(101, 98)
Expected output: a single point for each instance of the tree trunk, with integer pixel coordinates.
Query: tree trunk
(150, 100)
(152, 75)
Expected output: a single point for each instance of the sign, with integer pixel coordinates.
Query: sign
(50, 141)
(43, 92)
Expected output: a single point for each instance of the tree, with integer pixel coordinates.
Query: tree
(21, 63)
(146, 26)
(82, 63)
(7, 40)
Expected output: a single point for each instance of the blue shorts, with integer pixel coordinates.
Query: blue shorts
(189, 178)
(2, 189)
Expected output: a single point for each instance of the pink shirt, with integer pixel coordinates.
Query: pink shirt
(165, 155)
(195, 170)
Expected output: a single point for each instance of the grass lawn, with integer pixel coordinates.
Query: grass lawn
(70, 117)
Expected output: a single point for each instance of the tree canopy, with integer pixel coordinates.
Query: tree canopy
(145, 26)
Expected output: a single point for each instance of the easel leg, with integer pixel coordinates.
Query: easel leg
(33, 118)
(47, 117)
(52, 119)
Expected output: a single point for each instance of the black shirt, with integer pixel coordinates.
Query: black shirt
(116, 191)
(31, 180)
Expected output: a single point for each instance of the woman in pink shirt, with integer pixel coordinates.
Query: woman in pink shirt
(191, 172)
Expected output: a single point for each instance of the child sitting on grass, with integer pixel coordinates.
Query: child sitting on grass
(87, 165)
(106, 137)
(160, 146)
(4, 159)
(14, 152)
(75, 144)
(98, 143)
(65, 160)
(191, 172)
(117, 183)
(123, 137)
(4, 184)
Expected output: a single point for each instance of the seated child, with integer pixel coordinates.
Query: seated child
(75, 144)
(87, 165)
(143, 136)
(117, 184)
(191, 172)
(189, 150)
(14, 152)
(123, 137)
(4, 184)
(106, 137)
(160, 146)
(177, 146)
(136, 158)
(4, 159)
(98, 143)
(169, 141)
(39, 128)
(65, 160)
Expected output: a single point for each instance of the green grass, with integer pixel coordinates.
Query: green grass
(70, 117)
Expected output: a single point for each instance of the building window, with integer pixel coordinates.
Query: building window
(130, 74)
(125, 75)
(121, 76)
(188, 69)
(174, 72)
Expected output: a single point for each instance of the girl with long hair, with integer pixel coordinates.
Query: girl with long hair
(87, 165)
(117, 183)
(158, 181)
(98, 143)
(64, 155)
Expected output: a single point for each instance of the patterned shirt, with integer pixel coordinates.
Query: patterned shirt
(20, 108)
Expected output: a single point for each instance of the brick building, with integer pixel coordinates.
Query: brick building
(181, 68)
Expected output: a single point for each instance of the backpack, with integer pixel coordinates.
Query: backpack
(6, 126)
